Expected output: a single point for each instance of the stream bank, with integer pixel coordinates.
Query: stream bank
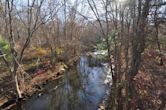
(34, 84)
(81, 87)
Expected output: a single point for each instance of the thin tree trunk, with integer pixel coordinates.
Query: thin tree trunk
(17, 87)
(157, 35)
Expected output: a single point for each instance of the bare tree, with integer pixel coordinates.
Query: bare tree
(9, 28)
(34, 21)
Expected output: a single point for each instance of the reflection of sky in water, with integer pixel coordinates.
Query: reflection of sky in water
(94, 83)
(82, 89)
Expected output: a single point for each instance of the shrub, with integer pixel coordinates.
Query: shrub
(4, 45)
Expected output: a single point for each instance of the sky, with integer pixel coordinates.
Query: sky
(82, 6)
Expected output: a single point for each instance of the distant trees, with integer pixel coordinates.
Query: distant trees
(32, 20)
(158, 15)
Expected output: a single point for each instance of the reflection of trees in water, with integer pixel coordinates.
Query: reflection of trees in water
(20, 106)
(71, 95)
(77, 90)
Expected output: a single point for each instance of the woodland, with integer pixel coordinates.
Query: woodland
(83, 54)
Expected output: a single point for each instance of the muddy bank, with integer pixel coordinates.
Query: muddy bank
(32, 85)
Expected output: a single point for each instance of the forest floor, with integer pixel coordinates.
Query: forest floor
(150, 82)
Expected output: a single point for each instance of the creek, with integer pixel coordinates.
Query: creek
(83, 87)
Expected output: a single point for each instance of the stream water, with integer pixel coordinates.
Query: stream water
(81, 88)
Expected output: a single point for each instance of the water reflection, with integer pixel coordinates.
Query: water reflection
(82, 88)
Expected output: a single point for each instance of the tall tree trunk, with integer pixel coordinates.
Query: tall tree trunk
(12, 49)
(138, 45)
